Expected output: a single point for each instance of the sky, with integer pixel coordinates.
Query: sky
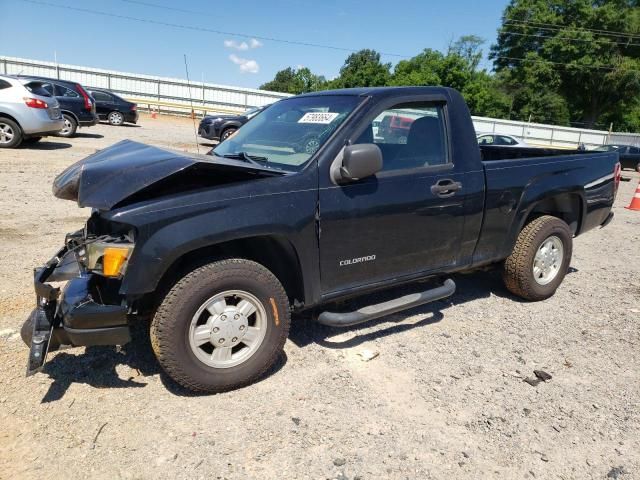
(244, 51)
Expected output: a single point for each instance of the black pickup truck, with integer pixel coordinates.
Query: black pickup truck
(221, 249)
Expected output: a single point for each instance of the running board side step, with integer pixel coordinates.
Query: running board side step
(372, 312)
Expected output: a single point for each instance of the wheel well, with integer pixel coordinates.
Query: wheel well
(71, 114)
(228, 127)
(567, 207)
(6, 115)
(273, 252)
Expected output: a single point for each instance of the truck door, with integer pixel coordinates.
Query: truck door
(405, 220)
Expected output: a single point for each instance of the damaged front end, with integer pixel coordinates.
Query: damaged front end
(87, 309)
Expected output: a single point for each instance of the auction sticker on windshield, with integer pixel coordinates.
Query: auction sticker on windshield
(318, 117)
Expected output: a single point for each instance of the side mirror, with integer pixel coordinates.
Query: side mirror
(358, 162)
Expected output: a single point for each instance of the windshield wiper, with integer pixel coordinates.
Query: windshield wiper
(254, 159)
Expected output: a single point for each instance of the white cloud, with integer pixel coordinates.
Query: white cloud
(246, 65)
(235, 45)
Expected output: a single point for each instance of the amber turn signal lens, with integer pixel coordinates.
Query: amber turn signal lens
(112, 261)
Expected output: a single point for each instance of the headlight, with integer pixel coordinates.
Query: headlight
(108, 258)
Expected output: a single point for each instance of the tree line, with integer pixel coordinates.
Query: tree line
(564, 62)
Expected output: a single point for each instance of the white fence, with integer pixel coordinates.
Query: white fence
(540, 134)
(169, 92)
(173, 94)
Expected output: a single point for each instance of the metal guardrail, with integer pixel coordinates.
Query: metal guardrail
(172, 95)
(153, 106)
(208, 97)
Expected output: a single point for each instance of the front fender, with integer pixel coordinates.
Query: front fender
(161, 243)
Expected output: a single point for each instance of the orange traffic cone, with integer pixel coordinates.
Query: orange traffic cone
(635, 201)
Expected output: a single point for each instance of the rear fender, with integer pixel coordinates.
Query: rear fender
(568, 204)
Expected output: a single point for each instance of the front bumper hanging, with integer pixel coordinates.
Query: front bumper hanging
(84, 313)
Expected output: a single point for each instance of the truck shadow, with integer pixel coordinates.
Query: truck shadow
(96, 367)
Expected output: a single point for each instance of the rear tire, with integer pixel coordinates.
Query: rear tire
(540, 259)
(70, 127)
(204, 314)
(10, 133)
(115, 118)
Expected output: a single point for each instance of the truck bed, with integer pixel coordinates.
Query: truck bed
(579, 184)
(494, 152)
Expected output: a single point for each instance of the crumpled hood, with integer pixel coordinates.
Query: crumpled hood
(110, 176)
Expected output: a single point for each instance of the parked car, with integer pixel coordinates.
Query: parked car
(77, 106)
(221, 127)
(220, 250)
(629, 155)
(501, 140)
(27, 112)
(114, 109)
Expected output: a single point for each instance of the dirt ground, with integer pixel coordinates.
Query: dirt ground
(444, 397)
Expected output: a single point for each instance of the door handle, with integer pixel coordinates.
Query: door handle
(445, 188)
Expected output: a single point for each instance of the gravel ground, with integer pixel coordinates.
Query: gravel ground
(443, 398)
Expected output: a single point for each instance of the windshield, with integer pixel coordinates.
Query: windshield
(606, 148)
(289, 132)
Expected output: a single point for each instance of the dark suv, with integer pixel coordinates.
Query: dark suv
(114, 109)
(221, 127)
(76, 105)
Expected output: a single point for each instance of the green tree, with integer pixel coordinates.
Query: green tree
(486, 96)
(295, 81)
(579, 55)
(363, 69)
(431, 67)
(457, 69)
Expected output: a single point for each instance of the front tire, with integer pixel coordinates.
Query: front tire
(540, 259)
(227, 133)
(222, 326)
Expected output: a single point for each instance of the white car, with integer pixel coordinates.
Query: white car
(501, 140)
(27, 111)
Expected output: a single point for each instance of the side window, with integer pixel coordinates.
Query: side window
(48, 88)
(66, 92)
(486, 140)
(4, 84)
(101, 97)
(40, 88)
(634, 150)
(507, 141)
(410, 135)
